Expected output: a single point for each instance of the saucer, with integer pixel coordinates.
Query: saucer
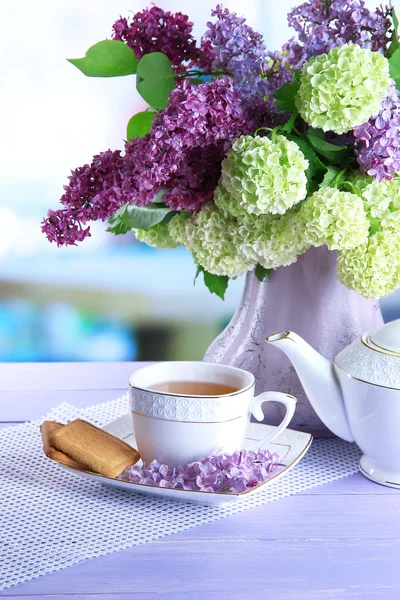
(290, 445)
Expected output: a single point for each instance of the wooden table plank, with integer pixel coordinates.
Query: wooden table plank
(303, 524)
(284, 569)
(338, 541)
(355, 485)
(24, 406)
(29, 390)
(30, 377)
(370, 594)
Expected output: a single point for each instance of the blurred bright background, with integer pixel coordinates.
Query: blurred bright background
(110, 298)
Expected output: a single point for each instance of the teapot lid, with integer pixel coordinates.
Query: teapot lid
(387, 338)
(374, 358)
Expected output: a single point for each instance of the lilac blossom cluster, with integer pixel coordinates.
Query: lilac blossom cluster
(325, 24)
(377, 142)
(154, 30)
(94, 193)
(224, 473)
(183, 152)
(239, 50)
(182, 155)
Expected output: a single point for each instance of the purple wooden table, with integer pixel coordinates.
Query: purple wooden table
(340, 540)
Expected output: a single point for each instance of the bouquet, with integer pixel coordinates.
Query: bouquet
(248, 157)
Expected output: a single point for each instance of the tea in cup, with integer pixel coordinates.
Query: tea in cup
(185, 411)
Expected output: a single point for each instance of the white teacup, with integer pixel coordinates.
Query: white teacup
(179, 429)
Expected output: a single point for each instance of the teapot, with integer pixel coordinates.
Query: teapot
(357, 396)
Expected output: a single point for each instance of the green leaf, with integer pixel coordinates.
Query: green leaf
(314, 163)
(375, 225)
(156, 79)
(217, 284)
(335, 154)
(117, 226)
(394, 68)
(330, 176)
(395, 41)
(316, 133)
(109, 58)
(312, 186)
(288, 127)
(308, 152)
(137, 217)
(261, 272)
(139, 125)
(286, 95)
(198, 271)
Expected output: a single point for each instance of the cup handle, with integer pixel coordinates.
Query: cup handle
(286, 399)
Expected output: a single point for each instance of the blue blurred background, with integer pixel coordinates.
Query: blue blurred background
(110, 298)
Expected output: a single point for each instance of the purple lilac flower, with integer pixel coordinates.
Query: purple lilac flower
(378, 140)
(181, 155)
(154, 30)
(183, 152)
(324, 24)
(229, 473)
(239, 50)
(276, 73)
(94, 193)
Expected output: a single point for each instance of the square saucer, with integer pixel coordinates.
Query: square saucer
(290, 445)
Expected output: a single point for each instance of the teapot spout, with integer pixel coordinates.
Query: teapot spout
(318, 379)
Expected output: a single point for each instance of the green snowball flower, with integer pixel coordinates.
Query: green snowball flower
(213, 239)
(383, 198)
(262, 175)
(358, 181)
(176, 227)
(342, 89)
(157, 236)
(226, 202)
(373, 268)
(391, 221)
(334, 218)
(272, 241)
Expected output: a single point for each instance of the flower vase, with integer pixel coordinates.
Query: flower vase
(305, 297)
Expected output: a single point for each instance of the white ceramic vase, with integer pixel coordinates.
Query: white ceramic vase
(307, 298)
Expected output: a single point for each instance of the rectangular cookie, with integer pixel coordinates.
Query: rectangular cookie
(98, 450)
(47, 428)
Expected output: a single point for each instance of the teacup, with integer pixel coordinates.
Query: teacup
(179, 428)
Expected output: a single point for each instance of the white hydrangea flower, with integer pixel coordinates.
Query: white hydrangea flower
(358, 181)
(228, 205)
(373, 268)
(176, 227)
(157, 236)
(381, 198)
(262, 175)
(271, 240)
(212, 237)
(334, 218)
(342, 89)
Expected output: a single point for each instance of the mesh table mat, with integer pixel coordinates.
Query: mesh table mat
(49, 518)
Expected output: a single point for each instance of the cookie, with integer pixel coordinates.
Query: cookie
(47, 428)
(98, 450)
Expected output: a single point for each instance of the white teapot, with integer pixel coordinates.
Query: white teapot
(358, 395)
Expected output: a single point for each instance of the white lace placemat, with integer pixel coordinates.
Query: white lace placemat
(50, 519)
